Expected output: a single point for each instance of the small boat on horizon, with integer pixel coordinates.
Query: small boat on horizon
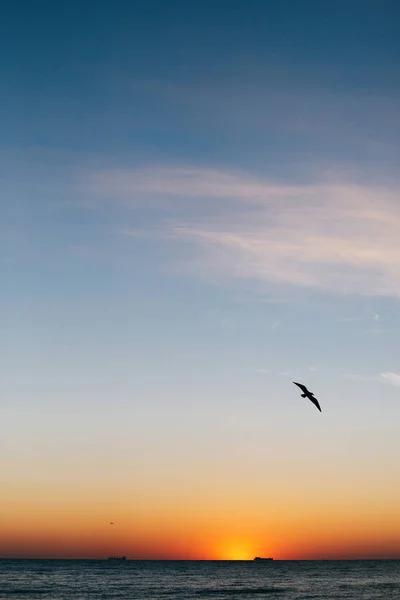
(260, 558)
(116, 558)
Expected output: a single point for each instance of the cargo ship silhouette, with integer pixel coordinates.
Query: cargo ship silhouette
(259, 558)
(116, 558)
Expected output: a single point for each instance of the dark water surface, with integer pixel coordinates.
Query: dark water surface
(216, 580)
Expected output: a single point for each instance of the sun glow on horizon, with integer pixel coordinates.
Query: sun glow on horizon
(236, 550)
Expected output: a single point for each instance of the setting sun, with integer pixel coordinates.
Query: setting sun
(236, 550)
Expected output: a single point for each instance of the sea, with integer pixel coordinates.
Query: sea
(189, 580)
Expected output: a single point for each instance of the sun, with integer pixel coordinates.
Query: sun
(236, 550)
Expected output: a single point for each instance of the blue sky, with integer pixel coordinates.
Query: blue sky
(199, 204)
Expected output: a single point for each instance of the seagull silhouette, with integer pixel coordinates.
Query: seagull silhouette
(308, 394)
(111, 523)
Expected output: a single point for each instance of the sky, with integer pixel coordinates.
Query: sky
(199, 204)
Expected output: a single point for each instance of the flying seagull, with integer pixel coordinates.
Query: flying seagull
(111, 523)
(308, 394)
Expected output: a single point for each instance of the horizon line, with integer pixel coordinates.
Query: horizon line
(204, 559)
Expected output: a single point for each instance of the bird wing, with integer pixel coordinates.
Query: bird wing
(302, 387)
(315, 401)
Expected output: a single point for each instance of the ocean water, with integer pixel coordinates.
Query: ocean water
(215, 580)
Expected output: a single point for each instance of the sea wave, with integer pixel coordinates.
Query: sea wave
(23, 592)
(239, 591)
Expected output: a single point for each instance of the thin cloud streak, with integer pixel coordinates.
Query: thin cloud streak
(385, 378)
(335, 236)
(391, 378)
(191, 183)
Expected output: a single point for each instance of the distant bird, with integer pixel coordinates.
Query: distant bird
(111, 523)
(308, 394)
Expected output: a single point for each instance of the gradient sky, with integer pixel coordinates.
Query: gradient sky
(199, 204)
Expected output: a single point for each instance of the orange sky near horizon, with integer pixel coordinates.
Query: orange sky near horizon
(304, 542)
(66, 525)
(222, 498)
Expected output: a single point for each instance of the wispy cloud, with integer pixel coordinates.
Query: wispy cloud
(191, 182)
(290, 105)
(356, 377)
(335, 236)
(386, 378)
(391, 378)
